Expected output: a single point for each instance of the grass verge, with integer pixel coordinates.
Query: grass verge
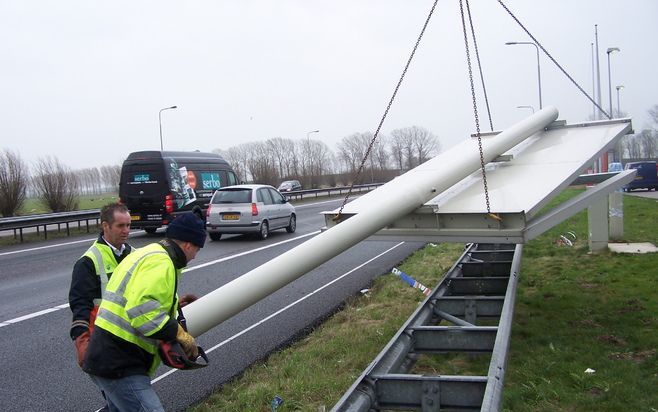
(574, 311)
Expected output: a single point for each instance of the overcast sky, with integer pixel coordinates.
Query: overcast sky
(84, 80)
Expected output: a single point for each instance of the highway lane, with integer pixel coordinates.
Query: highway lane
(40, 355)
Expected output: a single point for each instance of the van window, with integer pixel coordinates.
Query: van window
(143, 179)
(264, 196)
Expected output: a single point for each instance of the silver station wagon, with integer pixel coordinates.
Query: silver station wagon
(255, 209)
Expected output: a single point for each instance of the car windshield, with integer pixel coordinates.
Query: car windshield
(232, 196)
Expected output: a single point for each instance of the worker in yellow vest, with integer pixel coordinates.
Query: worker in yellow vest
(92, 271)
(138, 311)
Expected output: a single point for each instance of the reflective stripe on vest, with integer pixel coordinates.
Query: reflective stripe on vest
(103, 266)
(114, 322)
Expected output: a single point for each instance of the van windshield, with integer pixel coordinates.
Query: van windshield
(232, 196)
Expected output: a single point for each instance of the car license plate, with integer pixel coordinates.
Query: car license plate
(231, 217)
(135, 217)
(638, 177)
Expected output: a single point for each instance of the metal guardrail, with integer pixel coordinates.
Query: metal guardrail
(481, 286)
(19, 223)
(299, 194)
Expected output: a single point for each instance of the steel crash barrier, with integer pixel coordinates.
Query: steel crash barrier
(18, 224)
(43, 221)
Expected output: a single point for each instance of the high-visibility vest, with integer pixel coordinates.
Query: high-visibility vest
(105, 261)
(140, 298)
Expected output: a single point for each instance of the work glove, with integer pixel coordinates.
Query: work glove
(187, 342)
(81, 344)
(186, 300)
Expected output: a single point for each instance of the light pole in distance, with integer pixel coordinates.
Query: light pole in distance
(618, 107)
(512, 43)
(527, 107)
(160, 122)
(610, 50)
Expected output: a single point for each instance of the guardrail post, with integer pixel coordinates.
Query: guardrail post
(597, 222)
(616, 211)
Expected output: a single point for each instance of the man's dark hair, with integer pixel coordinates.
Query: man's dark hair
(107, 212)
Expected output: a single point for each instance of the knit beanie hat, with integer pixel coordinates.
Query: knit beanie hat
(188, 227)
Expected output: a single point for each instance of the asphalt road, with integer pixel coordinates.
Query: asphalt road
(38, 360)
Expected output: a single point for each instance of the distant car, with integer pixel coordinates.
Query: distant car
(646, 176)
(290, 186)
(615, 167)
(254, 209)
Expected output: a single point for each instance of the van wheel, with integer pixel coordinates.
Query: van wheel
(215, 236)
(264, 230)
(150, 230)
(293, 224)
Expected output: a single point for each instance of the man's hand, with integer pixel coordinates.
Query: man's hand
(81, 343)
(186, 300)
(188, 343)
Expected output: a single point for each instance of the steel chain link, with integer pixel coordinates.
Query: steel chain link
(388, 107)
(475, 109)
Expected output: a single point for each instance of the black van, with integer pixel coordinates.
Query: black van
(158, 185)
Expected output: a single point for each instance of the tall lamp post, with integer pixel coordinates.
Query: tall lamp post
(512, 43)
(610, 50)
(160, 122)
(618, 107)
(526, 107)
(308, 134)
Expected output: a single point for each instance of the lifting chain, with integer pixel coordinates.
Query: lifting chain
(388, 107)
(475, 110)
(553, 60)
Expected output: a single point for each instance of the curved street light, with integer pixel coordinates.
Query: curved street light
(621, 86)
(308, 134)
(512, 43)
(610, 50)
(526, 107)
(160, 122)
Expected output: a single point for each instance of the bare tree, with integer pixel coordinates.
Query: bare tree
(237, 157)
(56, 185)
(647, 140)
(412, 146)
(14, 178)
(261, 165)
(653, 115)
(285, 154)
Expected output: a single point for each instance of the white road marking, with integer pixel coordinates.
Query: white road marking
(191, 268)
(260, 322)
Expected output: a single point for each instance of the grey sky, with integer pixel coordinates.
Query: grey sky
(84, 80)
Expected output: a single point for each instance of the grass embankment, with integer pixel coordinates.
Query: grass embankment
(574, 311)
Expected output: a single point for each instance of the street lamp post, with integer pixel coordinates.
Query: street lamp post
(160, 122)
(526, 107)
(511, 43)
(618, 107)
(610, 50)
(308, 134)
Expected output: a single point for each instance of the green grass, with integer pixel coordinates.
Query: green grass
(574, 311)
(35, 206)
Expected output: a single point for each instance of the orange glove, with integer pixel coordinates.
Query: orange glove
(188, 343)
(186, 299)
(81, 343)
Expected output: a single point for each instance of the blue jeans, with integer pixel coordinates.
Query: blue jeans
(130, 394)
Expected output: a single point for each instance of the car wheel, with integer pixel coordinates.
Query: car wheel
(264, 230)
(150, 230)
(293, 224)
(215, 236)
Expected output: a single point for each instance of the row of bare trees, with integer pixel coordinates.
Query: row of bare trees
(310, 160)
(56, 185)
